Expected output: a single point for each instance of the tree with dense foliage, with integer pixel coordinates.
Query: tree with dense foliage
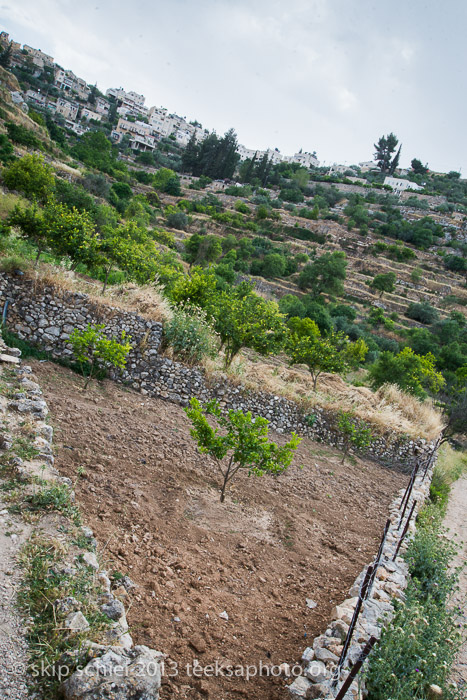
(94, 149)
(6, 55)
(333, 353)
(31, 176)
(6, 150)
(325, 275)
(422, 311)
(248, 321)
(239, 438)
(418, 167)
(384, 282)
(214, 157)
(58, 228)
(384, 150)
(166, 180)
(411, 372)
(20, 134)
(93, 349)
(202, 249)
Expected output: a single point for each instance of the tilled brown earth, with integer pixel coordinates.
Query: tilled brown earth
(153, 503)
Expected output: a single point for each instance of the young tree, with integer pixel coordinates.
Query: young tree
(56, 227)
(248, 321)
(384, 149)
(325, 275)
(92, 347)
(384, 282)
(355, 433)
(334, 353)
(238, 442)
(32, 176)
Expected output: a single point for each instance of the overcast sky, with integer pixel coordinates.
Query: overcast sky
(325, 75)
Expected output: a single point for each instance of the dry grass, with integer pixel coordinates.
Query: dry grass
(147, 300)
(8, 201)
(62, 168)
(388, 409)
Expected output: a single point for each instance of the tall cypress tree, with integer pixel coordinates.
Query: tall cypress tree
(190, 155)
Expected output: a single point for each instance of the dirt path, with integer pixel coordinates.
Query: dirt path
(456, 521)
(13, 647)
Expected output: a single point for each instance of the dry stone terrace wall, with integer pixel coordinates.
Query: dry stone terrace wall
(45, 316)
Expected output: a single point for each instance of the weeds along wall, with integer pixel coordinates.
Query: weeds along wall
(45, 315)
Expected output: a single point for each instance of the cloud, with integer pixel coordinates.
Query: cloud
(330, 75)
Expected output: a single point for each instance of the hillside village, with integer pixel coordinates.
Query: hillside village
(328, 301)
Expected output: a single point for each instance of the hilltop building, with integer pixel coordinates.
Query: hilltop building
(308, 160)
(68, 82)
(399, 185)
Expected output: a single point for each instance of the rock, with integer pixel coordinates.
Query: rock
(339, 629)
(132, 674)
(311, 603)
(66, 605)
(90, 559)
(76, 622)
(325, 655)
(316, 672)
(114, 609)
(434, 692)
(224, 615)
(319, 690)
(300, 688)
(198, 644)
(128, 583)
(104, 580)
(308, 654)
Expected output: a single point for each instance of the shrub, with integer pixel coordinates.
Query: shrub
(19, 134)
(190, 335)
(178, 220)
(423, 312)
(30, 175)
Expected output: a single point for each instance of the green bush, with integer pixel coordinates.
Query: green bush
(19, 134)
(190, 335)
(423, 312)
(92, 347)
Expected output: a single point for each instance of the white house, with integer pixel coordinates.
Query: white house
(399, 185)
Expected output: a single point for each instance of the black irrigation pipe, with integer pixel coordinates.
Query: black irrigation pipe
(378, 558)
(404, 531)
(353, 622)
(409, 493)
(409, 485)
(431, 457)
(356, 668)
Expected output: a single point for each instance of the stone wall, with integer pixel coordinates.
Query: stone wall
(322, 656)
(45, 315)
(112, 666)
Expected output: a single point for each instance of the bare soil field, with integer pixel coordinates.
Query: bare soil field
(153, 504)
